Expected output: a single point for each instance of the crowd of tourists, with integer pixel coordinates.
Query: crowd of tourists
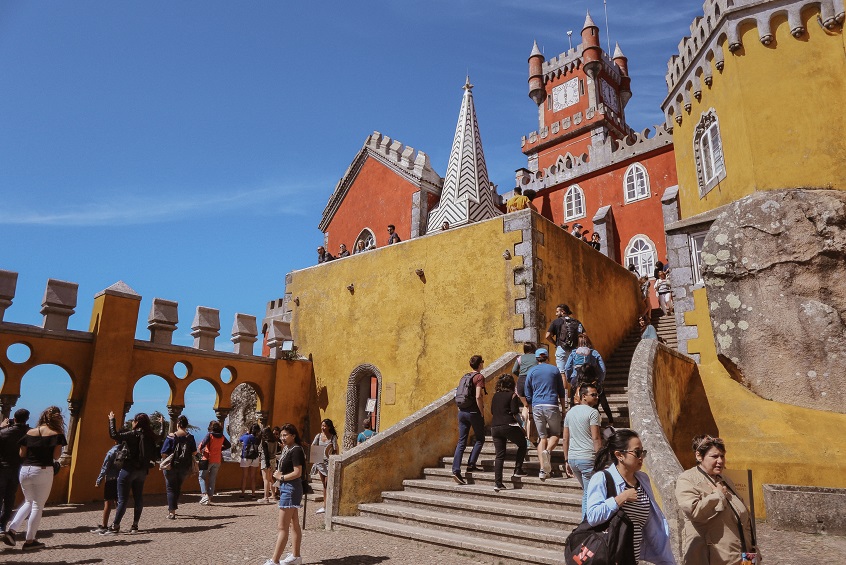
(531, 407)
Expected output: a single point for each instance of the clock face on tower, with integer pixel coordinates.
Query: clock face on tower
(609, 96)
(565, 95)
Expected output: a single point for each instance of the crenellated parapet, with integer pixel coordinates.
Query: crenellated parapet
(609, 152)
(411, 164)
(719, 27)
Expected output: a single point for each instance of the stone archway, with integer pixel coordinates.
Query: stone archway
(363, 382)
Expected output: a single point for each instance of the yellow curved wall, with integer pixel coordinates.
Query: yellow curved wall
(780, 116)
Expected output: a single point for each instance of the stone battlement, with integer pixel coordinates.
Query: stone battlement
(60, 298)
(720, 24)
(571, 60)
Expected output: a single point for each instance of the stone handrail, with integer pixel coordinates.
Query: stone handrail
(402, 451)
(659, 379)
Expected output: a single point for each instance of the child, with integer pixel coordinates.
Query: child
(110, 472)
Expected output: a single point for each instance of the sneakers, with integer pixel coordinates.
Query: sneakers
(100, 530)
(498, 487)
(456, 476)
(519, 473)
(320, 510)
(271, 562)
(170, 516)
(293, 561)
(111, 531)
(204, 499)
(542, 475)
(473, 468)
(9, 538)
(134, 528)
(546, 461)
(32, 545)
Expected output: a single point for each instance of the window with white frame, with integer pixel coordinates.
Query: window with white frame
(641, 253)
(368, 237)
(696, 241)
(708, 151)
(574, 203)
(636, 183)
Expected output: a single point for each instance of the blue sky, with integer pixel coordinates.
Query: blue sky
(189, 148)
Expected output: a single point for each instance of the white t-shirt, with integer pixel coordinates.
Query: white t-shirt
(578, 420)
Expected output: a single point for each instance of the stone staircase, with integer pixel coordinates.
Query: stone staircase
(666, 328)
(526, 523)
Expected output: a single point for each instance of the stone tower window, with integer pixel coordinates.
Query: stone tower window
(636, 183)
(574, 203)
(708, 149)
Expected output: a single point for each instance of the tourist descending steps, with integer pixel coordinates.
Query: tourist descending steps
(581, 438)
(546, 394)
(469, 396)
(505, 408)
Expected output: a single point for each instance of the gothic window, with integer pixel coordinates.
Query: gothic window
(636, 183)
(574, 203)
(641, 253)
(367, 237)
(708, 150)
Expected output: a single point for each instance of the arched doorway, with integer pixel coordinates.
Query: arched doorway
(364, 390)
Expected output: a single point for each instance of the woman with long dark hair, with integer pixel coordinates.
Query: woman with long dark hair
(505, 426)
(141, 452)
(328, 440)
(622, 457)
(182, 445)
(39, 448)
(211, 456)
(267, 453)
(250, 441)
(289, 474)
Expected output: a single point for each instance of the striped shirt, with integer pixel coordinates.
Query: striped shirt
(638, 513)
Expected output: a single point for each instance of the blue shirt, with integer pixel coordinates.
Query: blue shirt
(246, 440)
(575, 356)
(655, 546)
(544, 385)
(649, 333)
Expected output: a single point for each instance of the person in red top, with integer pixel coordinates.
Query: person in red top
(211, 456)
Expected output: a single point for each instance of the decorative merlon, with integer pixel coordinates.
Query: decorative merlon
(244, 333)
(58, 304)
(121, 289)
(8, 285)
(162, 321)
(722, 21)
(206, 327)
(277, 333)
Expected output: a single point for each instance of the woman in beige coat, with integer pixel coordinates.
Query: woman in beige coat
(717, 525)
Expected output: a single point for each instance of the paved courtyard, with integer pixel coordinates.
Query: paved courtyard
(239, 531)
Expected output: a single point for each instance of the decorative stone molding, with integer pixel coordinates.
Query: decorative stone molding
(244, 333)
(58, 304)
(7, 402)
(8, 284)
(163, 320)
(206, 327)
(524, 275)
(721, 23)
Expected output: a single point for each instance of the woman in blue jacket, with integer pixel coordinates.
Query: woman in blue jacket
(623, 457)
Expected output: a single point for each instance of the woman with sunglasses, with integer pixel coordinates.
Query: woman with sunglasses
(717, 525)
(623, 457)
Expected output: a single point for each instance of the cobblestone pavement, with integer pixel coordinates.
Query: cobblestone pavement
(240, 531)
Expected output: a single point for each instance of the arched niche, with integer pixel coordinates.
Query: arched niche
(364, 387)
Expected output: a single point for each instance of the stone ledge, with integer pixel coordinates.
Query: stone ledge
(813, 510)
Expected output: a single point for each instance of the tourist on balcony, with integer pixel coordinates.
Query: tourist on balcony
(622, 457)
(445, 226)
(360, 247)
(505, 426)
(577, 231)
(517, 202)
(717, 524)
(585, 236)
(211, 456)
(182, 445)
(289, 473)
(594, 241)
(546, 394)
(328, 440)
(343, 251)
(11, 432)
(470, 397)
(581, 438)
(647, 330)
(250, 441)
(664, 292)
(323, 256)
(40, 447)
(141, 453)
(392, 235)
(267, 454)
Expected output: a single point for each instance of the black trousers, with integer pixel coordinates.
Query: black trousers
(9, 483)
(502, 434)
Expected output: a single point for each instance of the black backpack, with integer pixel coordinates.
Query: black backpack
(608, 543)
(465, 393)
(121, 456)
(181, 457)
(587, 372)
(569, 337)
(251, 450)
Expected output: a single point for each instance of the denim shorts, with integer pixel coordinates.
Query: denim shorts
(547, 417)
(291, 494)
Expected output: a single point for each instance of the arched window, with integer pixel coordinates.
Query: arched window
(708, 151)
(369, 239)
(636, 183)
(574, 203)
(641, 253)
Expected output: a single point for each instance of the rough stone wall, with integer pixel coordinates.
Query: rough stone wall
(242, 416)
(774, 269)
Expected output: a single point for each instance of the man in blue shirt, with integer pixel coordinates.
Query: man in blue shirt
(545, 393)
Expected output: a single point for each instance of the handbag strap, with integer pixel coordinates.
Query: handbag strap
(743, 547)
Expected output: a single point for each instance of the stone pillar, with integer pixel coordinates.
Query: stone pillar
(7, 402)
(174, 411)
(8, 283)
(277, 333)
(164, 316)
(74, 407)
(262, 415)
(603, 224)
(244, 334)
(221, 414)
(58, 304)
(670, 205)
(206, 327)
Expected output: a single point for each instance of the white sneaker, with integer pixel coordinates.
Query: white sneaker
(291, 560)
(287, 559)
(541, 475)
(320, 510)
(546, 461)
(204, 499)
(270, 562)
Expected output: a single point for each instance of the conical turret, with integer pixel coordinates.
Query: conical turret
(536, 89)
(591, 51)
(626, 82)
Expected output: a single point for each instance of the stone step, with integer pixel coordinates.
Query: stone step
(516, 553)
(506, 511)
(486, 480)
(533, 536)
(535, 498)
